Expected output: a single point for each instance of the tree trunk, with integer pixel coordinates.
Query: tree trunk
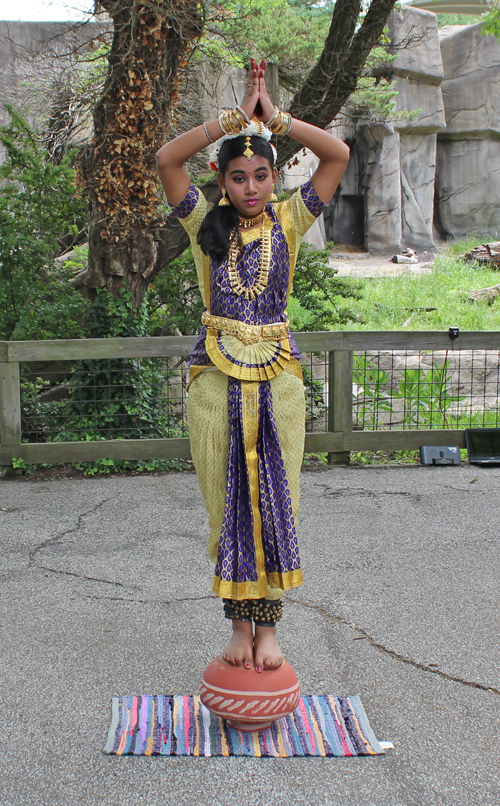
(151, 43)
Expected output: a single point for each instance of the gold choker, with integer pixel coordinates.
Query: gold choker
(247, 223)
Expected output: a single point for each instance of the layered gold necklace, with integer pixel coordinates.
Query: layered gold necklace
(262, 277)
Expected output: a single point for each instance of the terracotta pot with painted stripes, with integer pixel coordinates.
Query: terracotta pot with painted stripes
(247, 699)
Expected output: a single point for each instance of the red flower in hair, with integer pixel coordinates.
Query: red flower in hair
(214, 166)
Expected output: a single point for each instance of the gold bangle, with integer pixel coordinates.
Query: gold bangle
(226, 123)
(245, 116)
(279, 121)
(230, 126)
(221, 122)
(234, 127)
(284, 125)
(239, 117)
(272, 118)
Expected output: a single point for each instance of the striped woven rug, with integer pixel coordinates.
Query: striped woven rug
(322, 725)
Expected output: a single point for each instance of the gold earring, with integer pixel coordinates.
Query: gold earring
(273, 197)
(224, 202)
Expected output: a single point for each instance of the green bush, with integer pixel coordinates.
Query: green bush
(38, 205)
(118, 398)
(317, 296)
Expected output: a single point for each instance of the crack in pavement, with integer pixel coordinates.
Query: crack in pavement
(82, 576)
(361, 493)
(32, 554)
(147, 601)
(322, 611)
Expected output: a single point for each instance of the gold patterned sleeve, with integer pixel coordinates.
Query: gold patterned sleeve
(296, 215)
(303, 208)
(191, 211)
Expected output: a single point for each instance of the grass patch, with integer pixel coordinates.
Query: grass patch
(403, 302)
(427, 301)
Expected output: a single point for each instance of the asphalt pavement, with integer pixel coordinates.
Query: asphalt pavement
(105, 590)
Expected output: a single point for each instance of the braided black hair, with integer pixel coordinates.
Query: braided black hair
(215, 232)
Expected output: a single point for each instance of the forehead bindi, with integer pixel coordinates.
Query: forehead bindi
(241, 165)
(240, 171)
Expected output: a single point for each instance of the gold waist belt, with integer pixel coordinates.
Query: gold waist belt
(248, 334)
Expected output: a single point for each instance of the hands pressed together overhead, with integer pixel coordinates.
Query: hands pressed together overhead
(257, 102)
(332, 153)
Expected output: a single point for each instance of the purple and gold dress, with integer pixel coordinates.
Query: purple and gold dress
(246, 406)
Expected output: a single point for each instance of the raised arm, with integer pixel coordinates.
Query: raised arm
(333, 154)
(171, 157)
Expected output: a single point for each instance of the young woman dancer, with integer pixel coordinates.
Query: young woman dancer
(246, 405)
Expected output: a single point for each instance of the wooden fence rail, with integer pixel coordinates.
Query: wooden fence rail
(338, 441)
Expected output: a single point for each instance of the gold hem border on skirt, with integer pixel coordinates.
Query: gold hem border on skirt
(256, 590)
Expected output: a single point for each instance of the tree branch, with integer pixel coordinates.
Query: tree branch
(335, 76)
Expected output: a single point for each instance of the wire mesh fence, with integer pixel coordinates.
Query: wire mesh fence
(145, 398)
(428, 389)
(315, 369)
(142, 398)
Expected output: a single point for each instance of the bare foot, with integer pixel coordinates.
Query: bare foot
(239, 650)
(267, 654)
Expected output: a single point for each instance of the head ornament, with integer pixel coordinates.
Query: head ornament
(255, 129)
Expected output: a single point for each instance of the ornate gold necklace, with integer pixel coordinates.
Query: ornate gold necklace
(247, 223)
(262, 278)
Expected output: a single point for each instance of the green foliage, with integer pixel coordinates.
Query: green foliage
(118, 398)
(18, 463)
(40, 418)
(385, 457)
(289, 33)
(369, 397)
(427, 396)
(429, 301)
(174, 301)
(112, 316)
(457, 19)
(375, 96)
(38, 205)
(315, 394)
(80, 259)
(316, 303)
(492, 20)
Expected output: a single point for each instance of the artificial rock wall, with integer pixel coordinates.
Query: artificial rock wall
(438, 173)
(468, 162)
(386, 202)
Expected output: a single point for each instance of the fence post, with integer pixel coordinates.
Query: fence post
(10, 407)
(340, 364)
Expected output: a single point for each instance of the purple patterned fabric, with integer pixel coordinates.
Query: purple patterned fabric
(236, 561)
(236, 558)
(278, 527)
(187, 205)
(268, 306)
(311, 199)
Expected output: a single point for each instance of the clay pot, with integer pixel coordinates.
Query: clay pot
(247, 699)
